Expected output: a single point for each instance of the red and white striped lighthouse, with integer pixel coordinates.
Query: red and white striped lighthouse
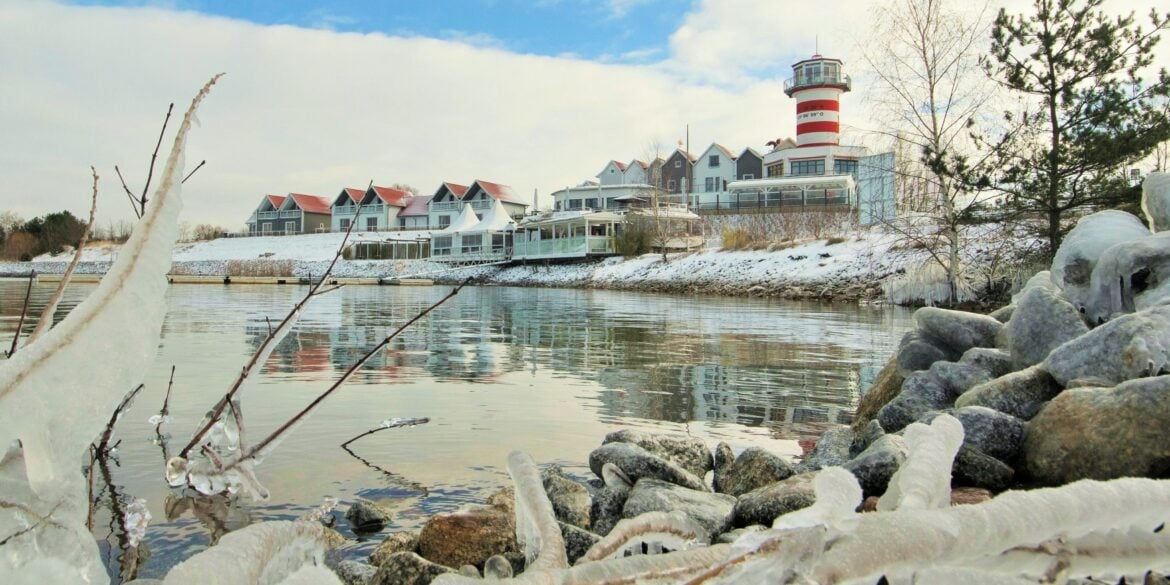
(817, 85)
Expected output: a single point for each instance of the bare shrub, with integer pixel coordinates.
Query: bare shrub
(206, 231)
(835, 240)
(259, 267)
(735, 239)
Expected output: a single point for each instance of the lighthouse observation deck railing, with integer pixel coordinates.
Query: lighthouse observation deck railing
(815, 80)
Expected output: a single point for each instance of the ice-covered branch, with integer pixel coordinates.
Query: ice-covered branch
(536, 524)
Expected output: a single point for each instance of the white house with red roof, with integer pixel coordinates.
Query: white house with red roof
(449, 199)
(380, 209)
(264, 218)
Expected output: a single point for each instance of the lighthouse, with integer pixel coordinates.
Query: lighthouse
(817, 84)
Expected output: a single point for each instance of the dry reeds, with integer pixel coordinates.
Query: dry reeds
(259, 268)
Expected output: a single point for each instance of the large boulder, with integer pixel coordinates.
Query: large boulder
(1128, 347)
(354, 573)
(609, 499)
(578, 541)
(406, 568)
(711, 511)
(921, 393)
(959, 377)
(997, 362)
(876, 465)
(689, 453)
(395, 543)
(366, 516)
(467, 537)
(636, 462)
(1073, 264)
(1041, 323)
(754, 468)
(917, 351)
(570, 500)
(990, 431)
(974, 468)
(763, 505)
(832, 449)
(958, 330)
(1101, 433)
(1021, 394)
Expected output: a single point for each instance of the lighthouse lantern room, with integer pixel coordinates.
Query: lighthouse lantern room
(817, 85)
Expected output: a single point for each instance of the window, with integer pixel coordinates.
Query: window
(444, 221)
(670, 185)
(776, 170)
(266, 227)
(807, 167)
(831, 71)
(290, 227)
(845, 166)
(441, 246)
(498, 243)
(344, 224)
(748, 176)
(402, 222)
(470, 244)
(678, 164)
(611, 203)
(709, 185)
(591, 203)
(713, 160)
(574, 204)
(372, 224)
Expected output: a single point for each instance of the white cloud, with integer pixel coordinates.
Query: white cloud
(620, 8)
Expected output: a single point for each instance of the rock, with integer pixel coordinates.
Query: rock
(1101, 433)
(724, 457)
(570, 500)
(1021, 394)
(395, 543)
(577, 541)
(637, 463)
(498, 567)
(467, 537)
(754, 468)
(470, 571)
(609, 500)
(996, 361)
(974, 468)
(1156, 201)
(990, 431)
(1074, 261)
(731, 536)
(406, 568)
(917, 351)
(872, 432)
(762, 506)
(959, 378)
(1042, 279)
(1042, 322)
(1128, 347)
(711, 511)
(885, 387)
(689, 453)
(876, 465)
(958, 330)
(870, 504)
(831, 449)
(969, 495)
(367, 516)
(354, 573)
(1003, 314)
(921, 393)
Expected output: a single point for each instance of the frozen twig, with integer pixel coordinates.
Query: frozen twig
(154, 156)
(197, 167)
(390, 424)
(133, 201)
(46, 320)
(103, 444)
(163, 415)
(32, 275)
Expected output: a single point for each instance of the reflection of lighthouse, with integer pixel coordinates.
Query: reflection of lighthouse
(817, 85)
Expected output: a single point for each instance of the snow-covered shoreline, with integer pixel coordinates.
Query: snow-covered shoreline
(854, 269)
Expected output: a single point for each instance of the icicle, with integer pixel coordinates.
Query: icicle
(923, 482)
(536, 525)
(674, 530)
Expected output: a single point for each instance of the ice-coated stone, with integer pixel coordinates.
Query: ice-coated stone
(917, 351)
(876, 465)
(609, 500)
(497, 567)
(922, 392)
(1156, 200)
(1129, 277)
(974, 468)
(407, 568)
(1074, 261)
(354, 573)
(1128, 347)
(1042, 279)
(577, 541)
(466, 537)
(367, 516)
(958, 330)
(990, 431)
(690, 453)
(570, 500)
(832, 449)
(730, 536)
(755, 467)
(395, 543)
(958, 377)
(1041, 323)
(710, 510)
(637, 463)
(1101, 433)
(871, 432)
(1021, 394)
(762, 506)
(996, 361)
(923, 481)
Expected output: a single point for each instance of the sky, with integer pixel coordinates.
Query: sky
(322, 95)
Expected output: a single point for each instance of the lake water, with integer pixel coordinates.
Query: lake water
(549, 371)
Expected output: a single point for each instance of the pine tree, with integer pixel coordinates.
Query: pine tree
(1086, 114)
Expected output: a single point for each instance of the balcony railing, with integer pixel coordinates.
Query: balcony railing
(457, 205)
(813, 80)
(366, 210)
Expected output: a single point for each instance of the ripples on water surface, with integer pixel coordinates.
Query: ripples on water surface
(550, 371)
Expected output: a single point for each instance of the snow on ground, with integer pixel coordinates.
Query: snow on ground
(855, 268)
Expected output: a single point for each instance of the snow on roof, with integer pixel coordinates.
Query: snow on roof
(464, 222)
(391, 196)
(310, 203)
(415, 206)
(498, 191)
(495, 220)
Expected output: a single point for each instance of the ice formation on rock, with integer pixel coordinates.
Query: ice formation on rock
(1156, 200)
(1073, 264)
(923, 482)
(657, 530)
(1128, 277)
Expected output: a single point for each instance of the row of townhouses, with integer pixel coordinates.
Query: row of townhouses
(379, 209)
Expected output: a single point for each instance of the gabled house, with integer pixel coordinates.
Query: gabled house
(749, 164)
(445, 205)
(304, 214)
(614, 173)
(344, 208)
(637, 173)
(416, 214)
(678, 172)
(264, 220)
(449, 198)
(714, 169)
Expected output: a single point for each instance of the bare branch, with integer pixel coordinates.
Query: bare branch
(197, 167)
(154, 156)
(32, 275)
(133, 201)
(390, 424)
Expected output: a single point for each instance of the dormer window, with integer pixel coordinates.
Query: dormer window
(713, 160)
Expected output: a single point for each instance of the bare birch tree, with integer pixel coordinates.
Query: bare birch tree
(925, 57)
